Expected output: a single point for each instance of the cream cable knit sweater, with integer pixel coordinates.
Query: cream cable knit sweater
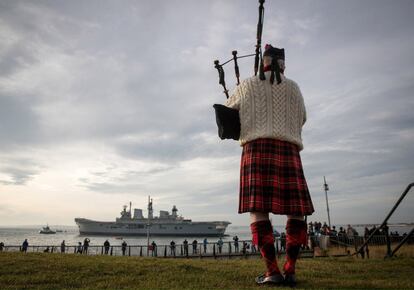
(269, 111)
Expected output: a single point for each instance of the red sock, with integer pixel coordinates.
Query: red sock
(262, 233)
(295, 237)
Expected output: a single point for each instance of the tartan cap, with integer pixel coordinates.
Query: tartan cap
(278, 53)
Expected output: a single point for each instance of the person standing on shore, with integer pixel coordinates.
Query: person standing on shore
(351, 232)
(185, 243)
(272, 113)
(62, 247)
(205, 242)
(79, 251)
(220, 244)
(106, 247)
(172, 248)
(195, 243)
(236, 244)
(154, 248)
(86, 242)
(25, 245)
(123, 248)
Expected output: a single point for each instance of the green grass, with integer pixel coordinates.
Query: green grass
(55, 271)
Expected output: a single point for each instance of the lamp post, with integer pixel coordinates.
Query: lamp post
(326, 188)
(149, 222)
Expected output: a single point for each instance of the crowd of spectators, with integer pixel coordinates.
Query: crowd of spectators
(316, 229)
(349, 234)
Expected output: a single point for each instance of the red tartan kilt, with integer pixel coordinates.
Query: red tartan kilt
(272, 179)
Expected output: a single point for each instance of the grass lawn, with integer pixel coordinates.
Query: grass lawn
(53, 271)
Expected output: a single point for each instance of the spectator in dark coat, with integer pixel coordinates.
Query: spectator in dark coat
(106, 247)
(79, 251)
(62, 247)
(236, 243)
(25, 245)
(86, 242)
(185, 243)
(123, 248)
(154, 248)
(172, 248)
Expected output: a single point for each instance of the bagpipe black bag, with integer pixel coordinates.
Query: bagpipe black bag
(228, 122)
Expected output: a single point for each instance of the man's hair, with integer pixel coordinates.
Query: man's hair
(267, 60)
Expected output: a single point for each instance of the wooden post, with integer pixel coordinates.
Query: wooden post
(112, 248)
(140, 251)
(214, 251)
(129, 251)
(165, 251)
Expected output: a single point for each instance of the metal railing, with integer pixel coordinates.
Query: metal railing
(384, 228)
(230, 249)
(243, 248)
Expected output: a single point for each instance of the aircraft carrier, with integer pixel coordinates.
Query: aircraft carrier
(165, 224)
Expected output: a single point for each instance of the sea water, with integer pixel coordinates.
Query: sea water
(14, 236)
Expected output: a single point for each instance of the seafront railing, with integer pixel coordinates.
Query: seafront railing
(229, 249)
(384, 228)
(243, 248)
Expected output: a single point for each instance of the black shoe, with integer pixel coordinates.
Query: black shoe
(290, 280)
(276, 279)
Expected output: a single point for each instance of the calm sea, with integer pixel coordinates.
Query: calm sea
(16, 235)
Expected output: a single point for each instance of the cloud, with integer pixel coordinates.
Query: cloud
(17, 171)
(117, 103)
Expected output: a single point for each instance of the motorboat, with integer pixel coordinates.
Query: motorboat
(46, 230)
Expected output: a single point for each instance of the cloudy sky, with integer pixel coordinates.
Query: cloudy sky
(106, 102)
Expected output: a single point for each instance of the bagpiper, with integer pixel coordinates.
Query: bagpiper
(272, 112)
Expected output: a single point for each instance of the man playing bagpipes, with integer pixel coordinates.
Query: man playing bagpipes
(272, 113)
(266, 113)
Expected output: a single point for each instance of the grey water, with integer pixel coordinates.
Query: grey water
(16, 235)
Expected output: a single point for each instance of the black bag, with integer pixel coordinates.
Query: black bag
(228, 122)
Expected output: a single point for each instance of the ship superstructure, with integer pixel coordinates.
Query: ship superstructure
(46, 230)
(165, 224)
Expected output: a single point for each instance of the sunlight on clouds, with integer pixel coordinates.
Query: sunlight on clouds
(101, 109)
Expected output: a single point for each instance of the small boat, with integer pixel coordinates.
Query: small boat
(46, 230)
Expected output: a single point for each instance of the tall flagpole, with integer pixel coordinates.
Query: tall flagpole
(149, 223)
(325, 186)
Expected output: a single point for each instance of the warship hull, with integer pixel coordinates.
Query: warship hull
(91, 227)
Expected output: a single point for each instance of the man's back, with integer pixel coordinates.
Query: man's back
(269, 110)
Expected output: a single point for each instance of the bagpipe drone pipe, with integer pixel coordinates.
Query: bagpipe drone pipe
(227, 119)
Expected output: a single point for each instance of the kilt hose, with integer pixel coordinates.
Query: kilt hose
(272, 179)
